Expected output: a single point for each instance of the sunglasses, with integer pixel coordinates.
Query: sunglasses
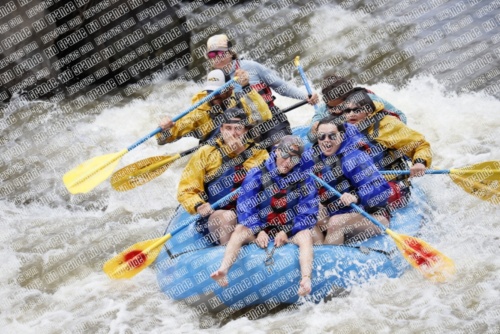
(293, 158)
(331, 136)
(214, 54)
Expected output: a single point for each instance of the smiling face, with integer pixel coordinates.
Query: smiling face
(354, 113)
(287, 158)
(329, 138)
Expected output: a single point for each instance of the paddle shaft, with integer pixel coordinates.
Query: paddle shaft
(352, 205)
(441, 171)
(191, 220)
(304, 78)
(184, 113)
(191, 150)
(198, 216)
(170, 159)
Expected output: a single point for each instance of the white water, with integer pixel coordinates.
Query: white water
(43, 291)
(85, 300)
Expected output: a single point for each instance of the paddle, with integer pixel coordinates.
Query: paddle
(304, 78)
(483, 179)
(91, 173)
(143, 171)
(136, 258)
(430, 262)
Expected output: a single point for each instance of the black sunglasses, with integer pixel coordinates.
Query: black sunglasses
(293, 158)
(331, 136)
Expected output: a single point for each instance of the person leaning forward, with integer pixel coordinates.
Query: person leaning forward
(203, 122)
(286, 213)
(214, 171)
(389, 142)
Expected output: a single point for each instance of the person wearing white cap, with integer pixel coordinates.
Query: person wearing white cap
(203, 122)
(262, 79)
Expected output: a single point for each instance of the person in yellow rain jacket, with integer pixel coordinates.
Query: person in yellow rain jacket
(203, 122)
(389, 142)
(216, 170)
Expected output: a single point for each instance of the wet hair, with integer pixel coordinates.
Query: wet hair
(235, 113)
(362, 100)
(287, 141)
(335, 86)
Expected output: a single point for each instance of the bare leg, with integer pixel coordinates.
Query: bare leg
(241, 235)
(304, 240)
(353, 223)
(364, 229)
(321, 226)
(221, 224)
(317, 235)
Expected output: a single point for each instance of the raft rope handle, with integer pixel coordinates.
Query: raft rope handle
(269, 261)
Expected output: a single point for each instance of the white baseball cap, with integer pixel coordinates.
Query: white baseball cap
(218, 43)
(215, 80)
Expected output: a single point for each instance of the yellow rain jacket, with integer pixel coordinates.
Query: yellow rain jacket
(394, 134)
(199, 119)
(205, 166)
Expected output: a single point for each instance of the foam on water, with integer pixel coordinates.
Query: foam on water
(39, 241)
(43, 291)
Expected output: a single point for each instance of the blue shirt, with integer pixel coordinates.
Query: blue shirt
(259, 73)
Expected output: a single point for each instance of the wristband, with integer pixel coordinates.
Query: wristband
(197, 205)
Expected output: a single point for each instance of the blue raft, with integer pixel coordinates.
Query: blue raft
(186, 261)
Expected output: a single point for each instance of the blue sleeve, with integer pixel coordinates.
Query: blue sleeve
(306, 163)
(307, 208)
(389, 107)
(371, 187)
(320, 113)
(271, 78)
(246, 208)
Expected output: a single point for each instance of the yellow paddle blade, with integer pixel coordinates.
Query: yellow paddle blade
(481, 180)
(134, 259)
(433, 264)
(136, 174)
(91, 173)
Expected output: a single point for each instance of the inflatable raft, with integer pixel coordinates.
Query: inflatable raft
(265, 278)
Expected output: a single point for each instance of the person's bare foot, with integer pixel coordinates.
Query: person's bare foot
(220, 276)
(305, 286)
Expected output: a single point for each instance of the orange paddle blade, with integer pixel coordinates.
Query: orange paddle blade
(433, 264)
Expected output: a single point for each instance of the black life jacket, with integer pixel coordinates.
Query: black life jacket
(228, 177)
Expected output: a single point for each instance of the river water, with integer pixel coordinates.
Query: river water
(53, 244)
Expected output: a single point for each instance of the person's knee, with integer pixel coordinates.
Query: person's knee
(304, 237)
(242, 230)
